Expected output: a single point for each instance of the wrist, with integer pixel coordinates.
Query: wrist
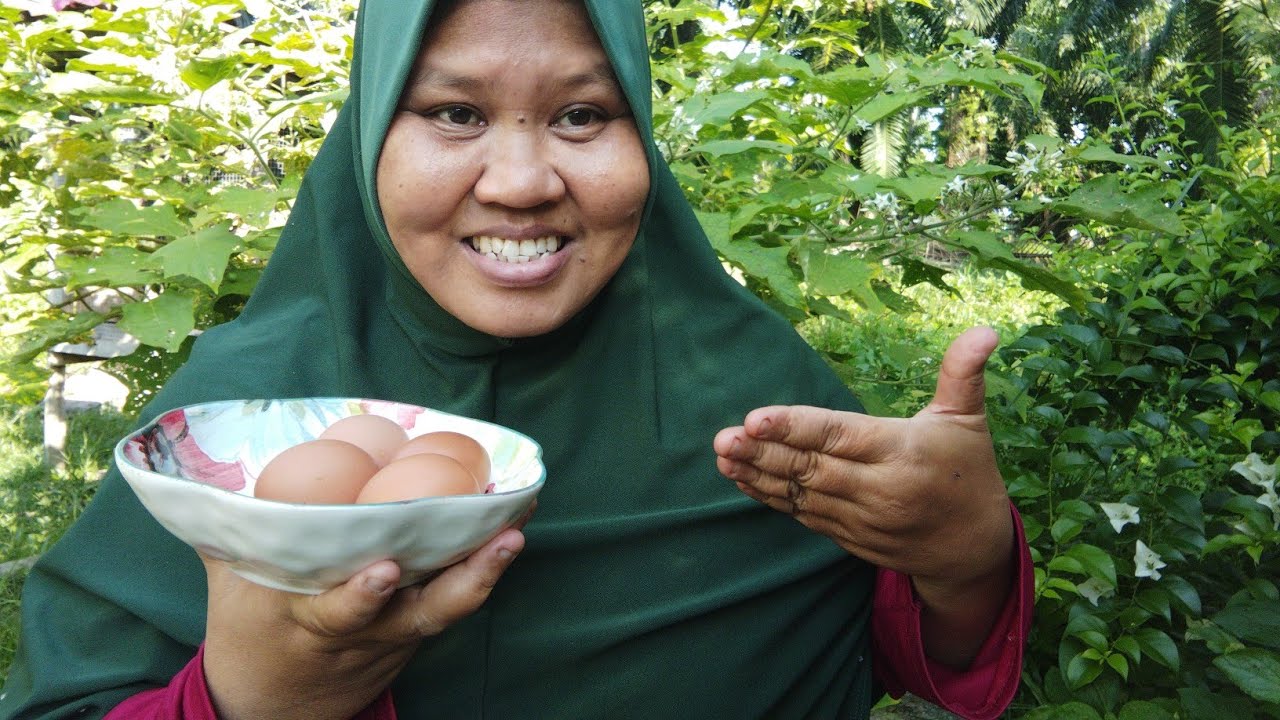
(240, 690)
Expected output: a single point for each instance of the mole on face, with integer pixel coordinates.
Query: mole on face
(521, 119)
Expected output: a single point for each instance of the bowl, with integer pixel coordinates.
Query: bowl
(194, 470)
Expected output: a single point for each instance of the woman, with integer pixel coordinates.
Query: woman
(537, 266)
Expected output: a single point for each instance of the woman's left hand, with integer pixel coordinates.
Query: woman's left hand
(919, 495)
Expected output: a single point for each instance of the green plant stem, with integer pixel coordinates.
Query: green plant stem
(764, 15)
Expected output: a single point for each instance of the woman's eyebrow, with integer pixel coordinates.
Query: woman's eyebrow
(601, 74)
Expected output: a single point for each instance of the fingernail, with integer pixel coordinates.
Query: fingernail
(377, 584)
(506, 554)
(735, 447)
(765, 424)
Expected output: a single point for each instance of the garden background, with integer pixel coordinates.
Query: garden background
(1096, 180)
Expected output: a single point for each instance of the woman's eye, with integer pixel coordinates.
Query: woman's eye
(579, 117)
(458, 115)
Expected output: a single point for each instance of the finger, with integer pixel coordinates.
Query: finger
(775, 466)
(961, 387)
(351, 606)
(458, 591)
(833, 432)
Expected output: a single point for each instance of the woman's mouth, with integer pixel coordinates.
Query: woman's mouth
(516, 251)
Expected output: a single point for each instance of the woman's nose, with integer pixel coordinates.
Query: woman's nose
(518, 173)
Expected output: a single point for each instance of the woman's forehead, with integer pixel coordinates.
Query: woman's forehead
(469, 42)
(514, 23)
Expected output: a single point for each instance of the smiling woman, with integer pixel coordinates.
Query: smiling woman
(490, 231)
(513, 176)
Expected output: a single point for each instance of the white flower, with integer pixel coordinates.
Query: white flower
(954, 186)
(863, 125)
(1120, 514)
(965, 57)
(1257, 472)
(1029, 165)
(987, 43)
(1147, 562)
(886, 203)
(1093, 589)
(1271, 501)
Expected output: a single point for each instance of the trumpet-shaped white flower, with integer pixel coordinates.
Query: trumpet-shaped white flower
(1147, 562)
(1257, 472)
(1120, 514)
(1094, 589)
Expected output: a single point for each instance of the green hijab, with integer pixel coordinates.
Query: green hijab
(649, 585)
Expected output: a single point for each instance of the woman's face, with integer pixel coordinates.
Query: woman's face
(513, 178)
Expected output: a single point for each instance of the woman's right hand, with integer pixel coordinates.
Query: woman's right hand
(280, 655)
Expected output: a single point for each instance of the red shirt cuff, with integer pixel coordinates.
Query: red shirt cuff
(186, 697)
(986, 688)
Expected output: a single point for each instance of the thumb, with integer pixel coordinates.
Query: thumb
(961, 387)
(352, 605)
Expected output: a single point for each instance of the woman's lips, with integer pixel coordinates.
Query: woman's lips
(517, 263)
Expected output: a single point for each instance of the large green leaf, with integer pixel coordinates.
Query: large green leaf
(163, 322)
(123, 217)
(114, 267)
(41, 336)
(1253, 670)
(720, 108)
(1097, 152)
(203, 73)
(838, 274)
(1252, 620)
(1104, 200)
(78, 86)
(718, 148)
(202, 255)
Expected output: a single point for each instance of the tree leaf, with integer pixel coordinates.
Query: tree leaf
(1096, 561)
(1097, 152)
(1252, 620)
(1253, 670)
(720, 148)
(1157, 645)
(163, 322)
(719, 108)
(115, 267)
(123, 217)
(202, 256)
(1104, 200)
(203, 73)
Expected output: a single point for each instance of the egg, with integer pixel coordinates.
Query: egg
(319, 472)
(376, 435)
(417, 476)
(458, 446)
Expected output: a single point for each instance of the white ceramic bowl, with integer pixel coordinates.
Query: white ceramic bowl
(194, 469)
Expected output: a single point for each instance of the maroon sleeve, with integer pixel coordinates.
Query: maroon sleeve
(187, 698)
(986, 688)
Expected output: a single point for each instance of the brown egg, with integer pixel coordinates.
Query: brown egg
(462, 448)
(376, 435)
(319, 472)
(418, 476)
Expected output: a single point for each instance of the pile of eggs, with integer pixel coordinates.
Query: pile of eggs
(370, 459)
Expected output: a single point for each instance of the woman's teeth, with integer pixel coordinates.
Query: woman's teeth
(515, 251)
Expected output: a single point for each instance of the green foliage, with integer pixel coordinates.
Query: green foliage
(1154, 522)
(149, 157)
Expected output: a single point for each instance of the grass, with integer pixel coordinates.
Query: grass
(36, 505)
